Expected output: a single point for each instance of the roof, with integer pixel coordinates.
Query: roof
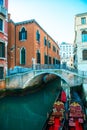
(81, 14)
(65, 43)
(33, 21)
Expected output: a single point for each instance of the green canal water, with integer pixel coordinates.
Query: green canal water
(28, 112)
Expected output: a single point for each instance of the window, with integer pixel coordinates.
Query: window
(57, 52)
(2, 50)
(84, 53)
(84, 36)
(54, 61)
(23, 34)
(1, 72)
(38, 56)
(45, 41)
(37, 36)
(49, 44)
(63, 55)
(1, 25)
(45, 59)
(49, 60)
(54, 48)
(1, 2)
(83, 20)
(23, 56)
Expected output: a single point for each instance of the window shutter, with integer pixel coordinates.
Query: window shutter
(37, 35)
(25, 34)
(1, 24)
(3, 50)
(38, 57)
(49, 60)
(19, 35)
(1, 72)
(23, 56)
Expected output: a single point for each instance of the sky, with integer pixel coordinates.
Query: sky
(56, 17)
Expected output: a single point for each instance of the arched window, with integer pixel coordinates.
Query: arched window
(84, 36)
(38, 35)
(22, 56)
(1, 2)
(38, 56)
(23, 34)
(1, 24)
(84, 54)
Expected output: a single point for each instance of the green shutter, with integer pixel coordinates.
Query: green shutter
(23, 56)
(25, 34)
(19, 35)
(3, 50)
(38, 57)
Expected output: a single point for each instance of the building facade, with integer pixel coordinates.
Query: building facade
(81, 41)
(66, 53)
(3, 37)
(28, 41)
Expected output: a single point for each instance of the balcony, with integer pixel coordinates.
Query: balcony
(3, 11)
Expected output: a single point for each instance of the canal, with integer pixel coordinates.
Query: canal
(28, 112)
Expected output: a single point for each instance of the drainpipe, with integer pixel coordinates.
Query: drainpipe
(15, 46)
(47, 51)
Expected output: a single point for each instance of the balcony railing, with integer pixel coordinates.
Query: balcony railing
(3, 11)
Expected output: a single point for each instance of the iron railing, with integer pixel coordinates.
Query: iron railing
(19, 69)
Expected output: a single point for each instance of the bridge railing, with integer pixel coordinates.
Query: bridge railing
(19, 69)
(79, 72)
(39, 66)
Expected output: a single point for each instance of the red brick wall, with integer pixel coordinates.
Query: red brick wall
(6, 4)
(2, 84)
(4, 39)
(11, 44)
(30, 44)
(6, 27)
(44, 49)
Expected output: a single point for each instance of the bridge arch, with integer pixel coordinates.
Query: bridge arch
(38, 77)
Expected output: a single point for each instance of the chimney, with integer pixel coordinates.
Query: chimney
(9, 16)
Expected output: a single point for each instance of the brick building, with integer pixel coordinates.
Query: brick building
(29, 40)
(3, 37)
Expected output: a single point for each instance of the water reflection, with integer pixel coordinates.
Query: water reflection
(28, 112)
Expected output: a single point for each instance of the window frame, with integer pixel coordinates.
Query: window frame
(1, 72)
(1, 25)
(84, 52)
(38, 55)
(2, 50)
(21, 54)
(45, 41)
(38, 36)
(84, 36)
(23, 34)
(83, 20)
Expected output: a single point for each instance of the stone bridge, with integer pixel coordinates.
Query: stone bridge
(34, 77)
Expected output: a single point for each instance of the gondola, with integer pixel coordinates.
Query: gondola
(76, 113)
(56, 118)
